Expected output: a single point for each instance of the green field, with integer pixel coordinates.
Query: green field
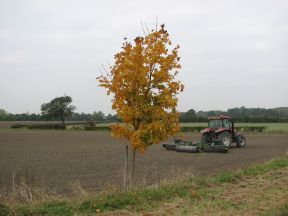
(271, 127)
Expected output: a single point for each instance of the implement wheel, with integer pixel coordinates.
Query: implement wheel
(241, 141)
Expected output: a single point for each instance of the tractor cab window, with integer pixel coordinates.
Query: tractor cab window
(227, 123)
(215, 123)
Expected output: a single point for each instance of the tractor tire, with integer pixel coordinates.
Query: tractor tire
(226, 138)
(241, 141)
(206, 138)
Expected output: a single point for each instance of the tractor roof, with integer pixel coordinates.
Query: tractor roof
(221, 117)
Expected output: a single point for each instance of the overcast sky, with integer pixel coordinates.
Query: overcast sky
(233, 53)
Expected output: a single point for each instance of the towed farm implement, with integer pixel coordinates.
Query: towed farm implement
(217, 137)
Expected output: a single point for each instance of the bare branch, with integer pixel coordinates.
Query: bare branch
(147, 29)
(156, 23)
(108, 63)
(100, 71)
(107, 72)
(104, 68)
(143, 28)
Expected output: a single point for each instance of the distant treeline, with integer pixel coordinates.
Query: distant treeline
(241, 114)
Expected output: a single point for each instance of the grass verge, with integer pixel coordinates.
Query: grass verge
(212, 191)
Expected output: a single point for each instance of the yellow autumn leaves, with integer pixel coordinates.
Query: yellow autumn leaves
(145, 89)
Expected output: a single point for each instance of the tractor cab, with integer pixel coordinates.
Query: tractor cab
(220, 124)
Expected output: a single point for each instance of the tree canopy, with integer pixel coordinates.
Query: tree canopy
(144, 88)
(58, 109)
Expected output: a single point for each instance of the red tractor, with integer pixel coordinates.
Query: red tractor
(222, 128)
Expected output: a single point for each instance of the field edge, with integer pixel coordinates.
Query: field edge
(145, 198)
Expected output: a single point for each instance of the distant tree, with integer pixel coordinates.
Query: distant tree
(58, 108)
(3, 115)
(192, 112)
(3, 112)
(112, 118)
(99, 116)
(201, 115)
(189, 116)
(214, 113)
(144, 88)
(81, 117)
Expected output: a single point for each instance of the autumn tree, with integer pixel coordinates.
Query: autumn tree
(144, 88)
(58, 108)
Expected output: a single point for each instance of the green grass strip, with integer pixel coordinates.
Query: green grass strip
(277, 212)
(253, 170)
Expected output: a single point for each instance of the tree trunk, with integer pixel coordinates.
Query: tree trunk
(126, 169)
(133, 166)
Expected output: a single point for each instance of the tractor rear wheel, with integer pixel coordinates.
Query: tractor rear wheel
(206, 138)
(226, 138)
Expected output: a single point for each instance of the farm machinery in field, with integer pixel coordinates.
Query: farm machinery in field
(217, 137)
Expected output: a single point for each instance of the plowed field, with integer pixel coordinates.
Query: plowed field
(59, 159)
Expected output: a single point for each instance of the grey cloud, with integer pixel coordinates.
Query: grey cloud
(234, 49)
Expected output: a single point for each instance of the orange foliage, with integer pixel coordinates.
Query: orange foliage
(143, 83)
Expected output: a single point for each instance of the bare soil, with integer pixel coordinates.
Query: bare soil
(57, 160)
